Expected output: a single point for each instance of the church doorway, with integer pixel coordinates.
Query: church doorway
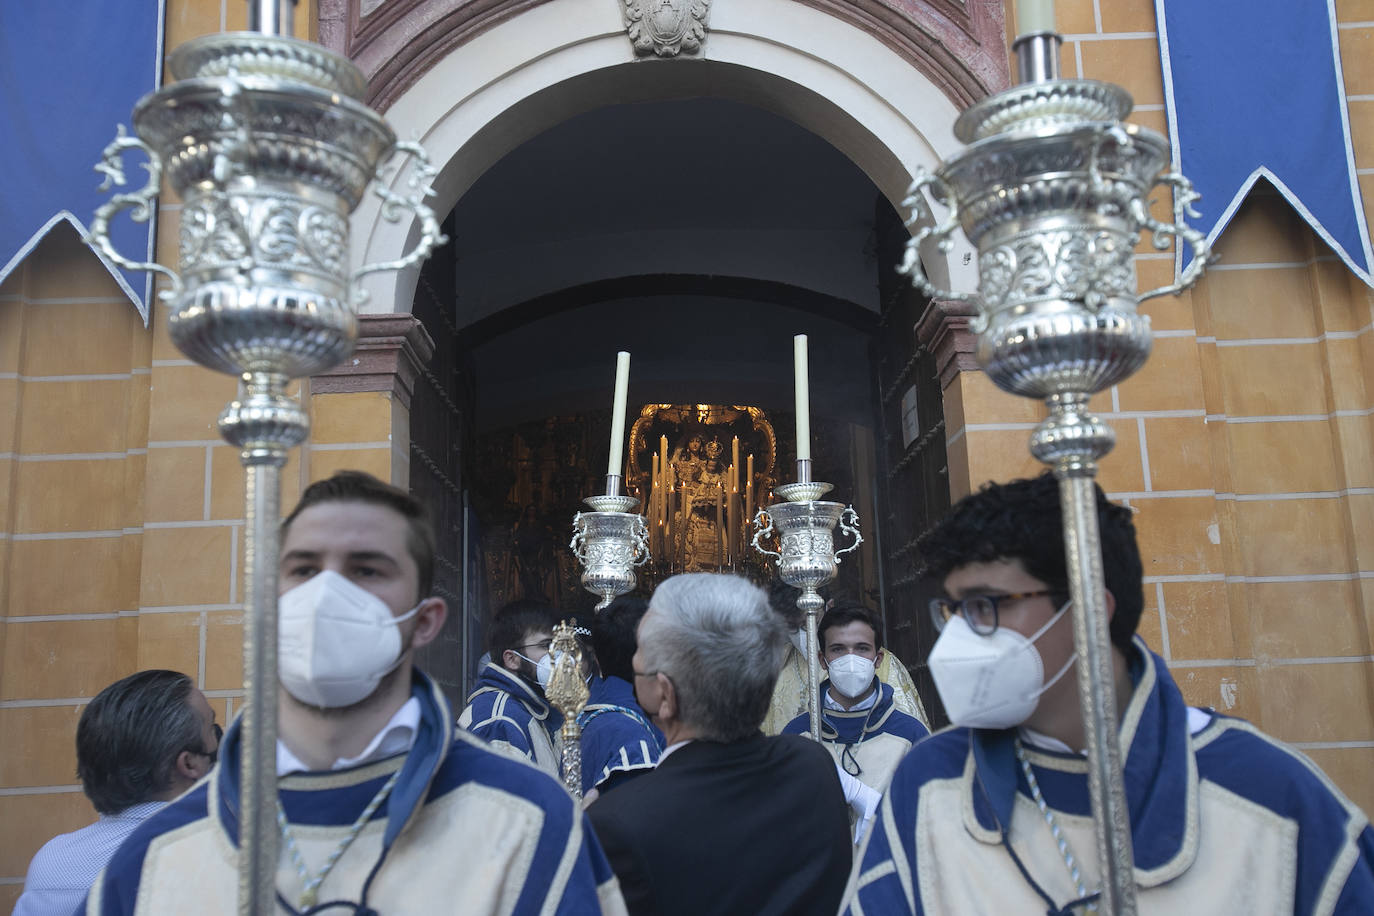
(699, 234)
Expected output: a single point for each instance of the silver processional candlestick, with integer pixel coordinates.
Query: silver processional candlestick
(268, 145)
(1052, 191)
(805, 525)
(612, 540)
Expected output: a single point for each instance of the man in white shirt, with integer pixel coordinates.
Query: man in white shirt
(141, 742)
(383, 807)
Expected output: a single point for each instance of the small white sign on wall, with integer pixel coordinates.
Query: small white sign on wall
(911, 420)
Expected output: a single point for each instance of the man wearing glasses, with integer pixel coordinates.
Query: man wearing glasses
(508, 708)
(1224, 819)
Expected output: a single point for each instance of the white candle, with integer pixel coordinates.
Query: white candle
(803, 399)
(622, 388)
(1034, 16)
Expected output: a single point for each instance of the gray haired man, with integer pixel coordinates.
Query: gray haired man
(731, 821)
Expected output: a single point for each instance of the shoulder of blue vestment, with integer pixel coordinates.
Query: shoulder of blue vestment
(120, 879)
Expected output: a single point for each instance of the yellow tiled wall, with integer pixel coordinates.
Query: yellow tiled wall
(121, 520)
(1245, 444)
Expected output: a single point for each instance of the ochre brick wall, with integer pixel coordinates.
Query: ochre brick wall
(1245, 444)
(121, 520)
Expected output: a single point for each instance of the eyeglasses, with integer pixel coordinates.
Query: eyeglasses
(219, 732)
(979, 611)
(545, 644)
(646, 673)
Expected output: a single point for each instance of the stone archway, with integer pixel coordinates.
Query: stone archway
(472, 84)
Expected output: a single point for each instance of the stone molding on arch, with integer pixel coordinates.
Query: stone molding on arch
(959, 45)
(555, 61)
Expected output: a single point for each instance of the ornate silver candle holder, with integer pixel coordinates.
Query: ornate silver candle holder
(610, 542)
(807, 560)
(1052, 191)
(266, 143)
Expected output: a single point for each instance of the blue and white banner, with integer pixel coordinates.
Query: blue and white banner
(1254, 88)
(70, 71)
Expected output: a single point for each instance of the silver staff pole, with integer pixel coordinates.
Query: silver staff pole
(1052, 191)
(268, 145)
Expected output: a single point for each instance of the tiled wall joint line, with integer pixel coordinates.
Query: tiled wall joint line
(1289, 418)
(195, 523)
(1280, 497)
(234, 565)
(188, 608)
(1112, 36)
(91, 377)
(1162, 494)
(347, 446)
(1309, 577)
(1163, 621)
(1144, 455)
(74, 456)
(1271, 265)
(1198, 577)
(64, 618)
(1273, 341)
(68, 300)
(209, 481)
(188, 443)
(1213, 663)
(1322, 660)
(66, 535)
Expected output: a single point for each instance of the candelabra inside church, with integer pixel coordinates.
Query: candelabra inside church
(805, 527)
(1052, 190)
(265, 140)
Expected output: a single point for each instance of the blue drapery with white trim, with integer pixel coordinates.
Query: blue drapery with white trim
(1254, 90)
(70, 71)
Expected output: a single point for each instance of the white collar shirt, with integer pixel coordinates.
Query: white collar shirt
(397, 736)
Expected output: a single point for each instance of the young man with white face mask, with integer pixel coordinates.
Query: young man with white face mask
(508, 709)
(860, 726)
(384, 809)
(1224, 819)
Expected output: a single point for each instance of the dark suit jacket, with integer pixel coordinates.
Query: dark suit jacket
(754, 828)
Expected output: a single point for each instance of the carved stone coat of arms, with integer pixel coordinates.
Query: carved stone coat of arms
(666, 28)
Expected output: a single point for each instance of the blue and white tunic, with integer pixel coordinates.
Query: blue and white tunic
(617, 738)
(867, 742)
(512, 717)
(1224, 820)
(464, 829)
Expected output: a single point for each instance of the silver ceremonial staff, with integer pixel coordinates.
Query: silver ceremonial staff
(266, 142)
(1052, 191)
